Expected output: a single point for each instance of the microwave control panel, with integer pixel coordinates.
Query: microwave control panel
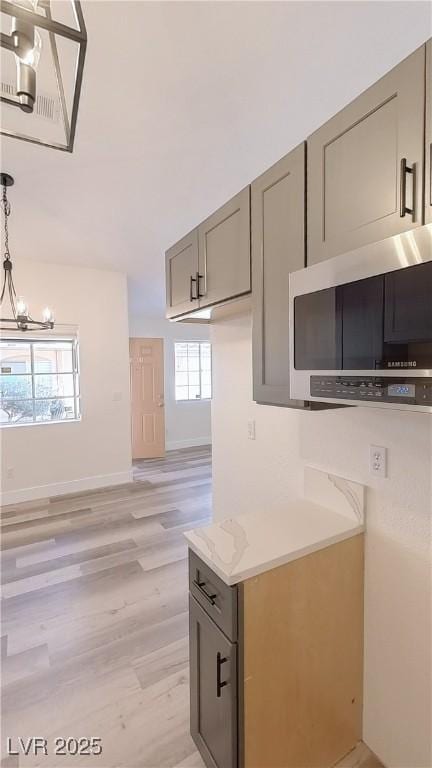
(409, 390)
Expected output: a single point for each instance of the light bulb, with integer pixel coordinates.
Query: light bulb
(47, 315)
(21, 306)
(32, 57)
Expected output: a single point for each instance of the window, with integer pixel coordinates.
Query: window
(192, 370)
(38, 381)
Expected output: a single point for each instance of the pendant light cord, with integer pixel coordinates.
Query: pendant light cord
(5, 204)
(7, 264)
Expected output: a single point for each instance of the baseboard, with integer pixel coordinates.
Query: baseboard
(174, 445)
(70, 486)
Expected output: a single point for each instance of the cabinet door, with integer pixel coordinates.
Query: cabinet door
(278, 248)
(428, 185)
(224, 251)
(181, 267)
(213, 690)
(358, 191)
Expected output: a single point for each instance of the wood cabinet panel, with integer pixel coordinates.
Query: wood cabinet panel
(355, 170)
(428, 148)
(278, 248)
(224, 251)
(181, 267)
(303, 659)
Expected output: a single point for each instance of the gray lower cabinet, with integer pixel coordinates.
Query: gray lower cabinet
(365, 165)
(213, 681)
(428, 154)
(224, 251)
(278, 248)
(273, 680)
(181, 270)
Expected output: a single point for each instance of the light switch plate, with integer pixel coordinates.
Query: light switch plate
(251, 429)
(378, 460)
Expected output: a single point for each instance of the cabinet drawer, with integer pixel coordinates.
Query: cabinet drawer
(217, 598)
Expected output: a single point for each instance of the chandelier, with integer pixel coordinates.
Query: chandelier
(21, 320)
(42, 61)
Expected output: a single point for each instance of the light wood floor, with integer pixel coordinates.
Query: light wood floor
(94, 619)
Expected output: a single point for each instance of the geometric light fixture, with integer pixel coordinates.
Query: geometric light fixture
(42, 67)
(19, 318)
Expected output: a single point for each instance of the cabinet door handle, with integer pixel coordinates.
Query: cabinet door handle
(197, 280)
(192, 281)
(200, 586)
(404, 169)
(219, 683)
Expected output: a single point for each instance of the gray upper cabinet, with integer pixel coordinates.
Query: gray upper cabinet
(428, 185)
(181, 269)
(224, 252)
(278, 248)
(365, 165)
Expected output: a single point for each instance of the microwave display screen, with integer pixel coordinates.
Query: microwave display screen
(378, 323)
(401, 390)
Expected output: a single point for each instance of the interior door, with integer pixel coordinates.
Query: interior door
(278, 248)
(213, 690)
(181, 268)
(147, 398)
(224, 252)
(365, 165)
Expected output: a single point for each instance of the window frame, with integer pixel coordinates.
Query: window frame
(75, 373)
(200, 371)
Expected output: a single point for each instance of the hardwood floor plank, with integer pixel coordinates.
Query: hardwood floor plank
(25, 664)
(162, 662)
(40, 582)
(192, 761)
(21, 570)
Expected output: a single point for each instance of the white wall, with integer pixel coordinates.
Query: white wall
(267, 472)
(186, 423)
(48, 459)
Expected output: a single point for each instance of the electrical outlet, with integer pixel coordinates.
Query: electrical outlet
(378, 460)
(251, 429)
(10, 473)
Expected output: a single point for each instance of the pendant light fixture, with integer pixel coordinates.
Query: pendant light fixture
(19, 318)
(42, 61)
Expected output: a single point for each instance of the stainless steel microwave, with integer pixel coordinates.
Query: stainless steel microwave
(361, 326)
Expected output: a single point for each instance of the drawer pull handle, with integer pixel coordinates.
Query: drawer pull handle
(403, 177)
(219, 683)
(200, 586)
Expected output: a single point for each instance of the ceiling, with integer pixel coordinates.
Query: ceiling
(184, 103)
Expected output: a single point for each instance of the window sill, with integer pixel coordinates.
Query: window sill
(10, 425)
